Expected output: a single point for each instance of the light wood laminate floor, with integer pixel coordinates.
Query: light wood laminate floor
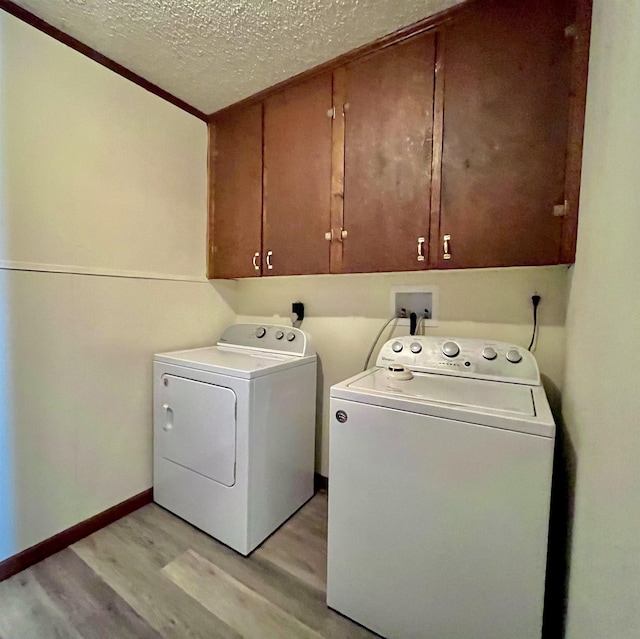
(153, 575)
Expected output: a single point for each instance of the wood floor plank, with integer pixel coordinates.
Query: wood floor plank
(300, 546)
(90, 605)
(112, 585)
(253, 616)
(27, 612)
(138, 579)
(173, 536)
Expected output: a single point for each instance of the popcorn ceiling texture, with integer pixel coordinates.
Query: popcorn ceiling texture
(212, 53)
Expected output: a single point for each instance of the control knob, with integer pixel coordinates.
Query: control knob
(396, 347)
(514, 356)
(489, 353)
(279, 334)
(415, 347)
(450, 349)
(291, 337)
(261, 332)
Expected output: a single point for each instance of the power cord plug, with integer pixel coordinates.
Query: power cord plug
(297, 314)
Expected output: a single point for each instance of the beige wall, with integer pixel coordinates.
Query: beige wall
(345, 312)
(97, 177)
(602, 388)
(98, 173)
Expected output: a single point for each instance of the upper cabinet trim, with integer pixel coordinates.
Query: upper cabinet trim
(577, 107)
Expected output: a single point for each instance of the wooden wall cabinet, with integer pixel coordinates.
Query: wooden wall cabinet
(387, 103)
(458, 147)
(507, 69)
(235, 221)
(297, 178)
(271, 173)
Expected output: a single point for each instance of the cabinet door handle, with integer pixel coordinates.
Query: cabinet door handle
(256, 257)
(445, 247)
(421, 249)
(341, 236)
(269, 264)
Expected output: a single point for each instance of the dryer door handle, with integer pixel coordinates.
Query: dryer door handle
(168, 422)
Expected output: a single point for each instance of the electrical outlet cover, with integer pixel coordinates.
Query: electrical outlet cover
(415, 299)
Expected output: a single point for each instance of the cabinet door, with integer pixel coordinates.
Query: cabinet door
(297, 179)
(506, 109)
(388, 147)
(236, 233)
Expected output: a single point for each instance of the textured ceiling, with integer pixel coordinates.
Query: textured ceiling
(212, 53)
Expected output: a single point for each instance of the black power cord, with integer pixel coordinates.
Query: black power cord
(535, 300)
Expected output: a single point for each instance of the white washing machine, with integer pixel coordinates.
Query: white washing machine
(439, 490)
(234, 432)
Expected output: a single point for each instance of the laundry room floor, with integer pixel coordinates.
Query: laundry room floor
(151, 574)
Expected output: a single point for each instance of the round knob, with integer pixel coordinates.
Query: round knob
(396, 347)
(514, 356)
(489, 353)
(415, 347)
(450, 349)
(291, 337)
(279, 334)
(261, 332)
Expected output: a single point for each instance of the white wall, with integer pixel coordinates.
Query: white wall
(602, 389)
(343, 314)
(102, 262)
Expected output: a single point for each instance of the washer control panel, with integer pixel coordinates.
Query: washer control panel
(479, 359)
(267, 337)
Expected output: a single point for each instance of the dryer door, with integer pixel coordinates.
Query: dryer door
(198, 427)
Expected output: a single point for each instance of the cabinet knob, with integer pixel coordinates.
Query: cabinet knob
(268, 260)
(445, 247)
(340, 236)
(421, 249)
(256, 257)
(560, 210)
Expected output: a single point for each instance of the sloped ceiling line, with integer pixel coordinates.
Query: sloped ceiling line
(55, 33)
(204, 55)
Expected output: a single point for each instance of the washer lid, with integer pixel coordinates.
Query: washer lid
(460, 392)
(514, 407)
(231, 361)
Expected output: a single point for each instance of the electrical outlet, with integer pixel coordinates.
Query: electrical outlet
(423, 301)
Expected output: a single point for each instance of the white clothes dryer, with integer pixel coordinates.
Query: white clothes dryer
(234, 432)
(439, 490)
